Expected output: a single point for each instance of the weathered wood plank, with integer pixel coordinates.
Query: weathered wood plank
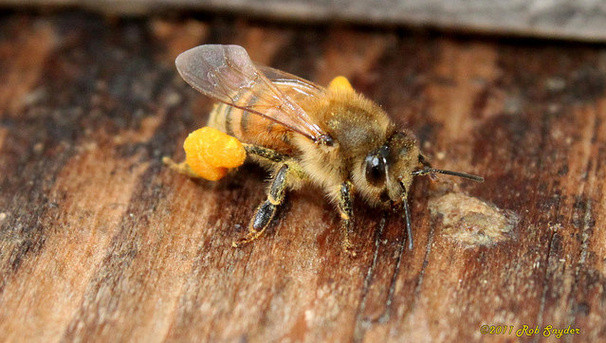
(99, 241)
(564, 19)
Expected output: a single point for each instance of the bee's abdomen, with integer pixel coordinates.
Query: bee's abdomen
(221, 118)
(249, 127)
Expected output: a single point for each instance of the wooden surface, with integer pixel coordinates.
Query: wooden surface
(98, 240)
(568, 19)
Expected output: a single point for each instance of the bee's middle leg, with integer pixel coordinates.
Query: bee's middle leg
(266, 211)
(345, 205)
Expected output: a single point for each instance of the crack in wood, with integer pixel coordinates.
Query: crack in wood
(384, 318)
(362, 324)
(546, 276)
(585, 235)
(419, 284)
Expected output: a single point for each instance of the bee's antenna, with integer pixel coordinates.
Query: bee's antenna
(408, 226)
(426, 171)
(406, 215)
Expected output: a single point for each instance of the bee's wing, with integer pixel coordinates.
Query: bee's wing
(225, 72)
(301, 86)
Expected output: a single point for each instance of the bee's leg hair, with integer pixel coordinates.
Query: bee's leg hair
(345, 205)
(266, 153)
(265, 212)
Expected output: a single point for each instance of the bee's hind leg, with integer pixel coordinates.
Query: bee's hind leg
(181, 168)
(265, 153)
(266, 211)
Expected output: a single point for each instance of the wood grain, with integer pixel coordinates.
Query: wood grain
(100, 242)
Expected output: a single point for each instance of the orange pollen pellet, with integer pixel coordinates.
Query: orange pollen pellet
(210, 152)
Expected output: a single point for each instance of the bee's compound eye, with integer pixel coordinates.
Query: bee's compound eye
(375, 170)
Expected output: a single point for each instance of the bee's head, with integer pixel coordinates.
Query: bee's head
(385, 173)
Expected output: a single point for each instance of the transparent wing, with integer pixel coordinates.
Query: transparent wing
(299, 85)
(225, 72)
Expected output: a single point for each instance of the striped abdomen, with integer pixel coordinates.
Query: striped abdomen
(249, 127)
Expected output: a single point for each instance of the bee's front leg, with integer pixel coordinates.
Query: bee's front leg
(345, 204)
(424, 162)
(266, 211)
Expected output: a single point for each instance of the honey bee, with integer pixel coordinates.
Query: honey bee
(305, 134)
